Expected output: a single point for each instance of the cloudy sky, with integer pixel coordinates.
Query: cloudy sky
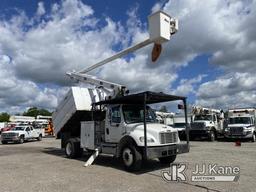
(211, 59)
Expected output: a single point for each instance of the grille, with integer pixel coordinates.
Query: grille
(171, 137)
(7, 135)
(236, 130)
(197, 125)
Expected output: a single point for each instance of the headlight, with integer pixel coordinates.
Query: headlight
(248, 129)
(227, 129)
(16, 134)
(149, 139)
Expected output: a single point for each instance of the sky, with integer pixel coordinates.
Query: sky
(211, 59)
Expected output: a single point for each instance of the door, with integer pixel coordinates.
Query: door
(28, 134)
(113, 127)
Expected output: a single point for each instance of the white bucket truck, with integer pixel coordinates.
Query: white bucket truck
(106, 119)
(241, 124)
(207, 123)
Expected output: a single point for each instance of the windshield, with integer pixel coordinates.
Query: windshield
(239, 120)
(203, 117)
(18, 128)
(179, 125)
(134, 114)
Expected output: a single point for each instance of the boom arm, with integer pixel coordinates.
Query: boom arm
(111, 89)
(161, 27)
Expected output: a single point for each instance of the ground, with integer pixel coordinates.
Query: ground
(42, 166)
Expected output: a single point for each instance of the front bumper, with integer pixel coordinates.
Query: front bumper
(199, 133)
(169, 150)
(238, 136)
(14, 138)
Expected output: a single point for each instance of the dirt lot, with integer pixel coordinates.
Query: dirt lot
(42, 166)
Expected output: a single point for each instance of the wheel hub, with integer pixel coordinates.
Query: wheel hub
(127, 157)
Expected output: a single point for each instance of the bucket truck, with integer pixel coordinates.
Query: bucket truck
(207, 123)
(106, 119)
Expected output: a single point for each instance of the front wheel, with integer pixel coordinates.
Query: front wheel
(253, 137)
(212, 136)
(4, 142)
(167, 160)
(21, 139)
(131, 158)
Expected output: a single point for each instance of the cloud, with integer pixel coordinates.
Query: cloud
(68, 36)
(229, 91)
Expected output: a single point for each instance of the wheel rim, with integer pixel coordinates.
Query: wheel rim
(212, 136)
(127, 157)
(68, 149)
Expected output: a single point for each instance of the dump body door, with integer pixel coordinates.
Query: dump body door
(113, 124)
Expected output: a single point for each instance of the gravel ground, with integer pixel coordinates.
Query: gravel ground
(42, 166)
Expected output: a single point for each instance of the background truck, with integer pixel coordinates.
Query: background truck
(165, 117)
(179, 123)
(241, 124)
(19, 134)
(207, 123)
(106, 119)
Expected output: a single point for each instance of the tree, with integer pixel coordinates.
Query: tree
(163, 109)
(4, 117)
(34, 111)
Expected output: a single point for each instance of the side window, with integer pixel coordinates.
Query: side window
(31, 128)
(115, 115)
(214, 118)
(27, 129)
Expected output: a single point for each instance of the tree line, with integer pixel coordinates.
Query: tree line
(33, 112)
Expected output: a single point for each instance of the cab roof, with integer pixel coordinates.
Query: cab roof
(138, 98)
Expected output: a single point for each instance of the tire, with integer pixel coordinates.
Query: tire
(73, 150)
(167, 160)
(4, 142)
(39, 138)
(212, 136)
(131, 158)
(21, 139)
(253, 137)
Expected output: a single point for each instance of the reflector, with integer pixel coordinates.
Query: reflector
(156, 51)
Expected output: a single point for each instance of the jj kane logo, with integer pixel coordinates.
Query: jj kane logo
(201, 173)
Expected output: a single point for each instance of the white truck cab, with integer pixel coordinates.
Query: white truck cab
(19, 134)
(241, 124)
(124, 127)
(207, 123)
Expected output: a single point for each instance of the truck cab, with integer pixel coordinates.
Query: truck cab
(241, 125)
(125, 127)
(207, 123)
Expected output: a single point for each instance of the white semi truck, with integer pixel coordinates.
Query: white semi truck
(106, 119)
(207, 123)
(241, 124)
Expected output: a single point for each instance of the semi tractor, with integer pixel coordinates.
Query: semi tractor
(106, 119)
(241, 124)
(207, 123)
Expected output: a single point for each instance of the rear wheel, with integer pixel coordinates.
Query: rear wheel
(39, 138)
(167, 160)
(73, 150)
(131, 158)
